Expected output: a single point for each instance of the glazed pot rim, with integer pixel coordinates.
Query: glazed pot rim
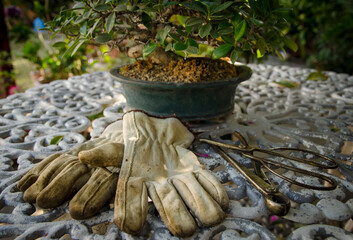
(245, 74)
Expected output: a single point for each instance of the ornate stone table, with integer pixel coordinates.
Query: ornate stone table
(317, 115)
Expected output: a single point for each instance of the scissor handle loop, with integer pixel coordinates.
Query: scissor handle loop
(265, 162)
(273, 152)
(241, 139)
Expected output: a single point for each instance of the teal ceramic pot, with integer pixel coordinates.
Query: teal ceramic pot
(188, 101)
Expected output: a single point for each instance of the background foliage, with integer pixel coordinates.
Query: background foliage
(324, 32)
(34, 57)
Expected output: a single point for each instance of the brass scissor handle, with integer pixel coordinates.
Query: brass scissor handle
(248, 151)
(276, 203)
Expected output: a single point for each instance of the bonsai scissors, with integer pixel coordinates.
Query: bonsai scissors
(276, 203)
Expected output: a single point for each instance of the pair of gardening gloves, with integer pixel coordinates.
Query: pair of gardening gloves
(136, 158)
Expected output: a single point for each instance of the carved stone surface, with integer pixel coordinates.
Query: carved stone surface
(316, 115)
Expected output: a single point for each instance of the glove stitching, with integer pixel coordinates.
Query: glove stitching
(129, 150)
(170, 226)
(97, 189)
(189, 193)
(197, 174)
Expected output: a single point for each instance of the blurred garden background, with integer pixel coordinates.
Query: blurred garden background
(323, 31)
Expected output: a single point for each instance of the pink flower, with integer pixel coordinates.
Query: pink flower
(202, 155)
(14, 89)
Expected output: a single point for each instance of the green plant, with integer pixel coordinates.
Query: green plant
(323, 31)
(229, 28)
(5, 60)
(49, 61)
(20, 32)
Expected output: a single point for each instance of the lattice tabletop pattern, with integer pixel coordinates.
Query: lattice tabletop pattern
(316, 115)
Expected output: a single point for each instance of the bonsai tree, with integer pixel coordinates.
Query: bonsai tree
(160, 30)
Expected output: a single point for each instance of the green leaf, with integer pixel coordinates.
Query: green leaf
(78, 20)
(221, 16)
(181, 20)
(239, 30)
(175, 37)
(180, 46)
(146, 20)
(91, 30)
(195, 5)
(59, 44)
(78, 46)
(55, 140)
(171, 3)
(225, 31)
(259, 54)
(222, 51)
(168, 47)
(188, 30)
(257, 22)
(79, 5)
(102, 7)
(193, 47)
(120, 8)
(287, 83)
(87, 14)
(227, 39)
(244, 13)
(180, 32)
(283, 9)
(205, 30)
(83, 28)
(223, 6)
(214, 34)
(279, 54)
(234, 55)
(148, 49)
(223, 25)
(194, 21)
(261, 46)
(95, 116)
(162, 34)
(290, 43)
(70, 49)
(103, 38)
(236, 19)
(109, 23)
(317, 76)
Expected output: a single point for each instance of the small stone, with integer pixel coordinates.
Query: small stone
(334, 210)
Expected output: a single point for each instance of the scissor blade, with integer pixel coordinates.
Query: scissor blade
(258, 182)
(276, 203)
(223, 145)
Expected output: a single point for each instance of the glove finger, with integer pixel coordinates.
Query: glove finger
(212, 185)
(112, 153)
(32, 175)
(81, 181)
(58, 190)
(172, 209)
(45, 177)
(131, 205)
(200, 203)
(88, 145)
(99, 189)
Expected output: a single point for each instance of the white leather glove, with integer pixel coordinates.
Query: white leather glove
(57, 177)
(157, 164)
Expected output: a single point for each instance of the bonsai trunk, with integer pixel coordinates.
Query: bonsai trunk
(158, 56)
